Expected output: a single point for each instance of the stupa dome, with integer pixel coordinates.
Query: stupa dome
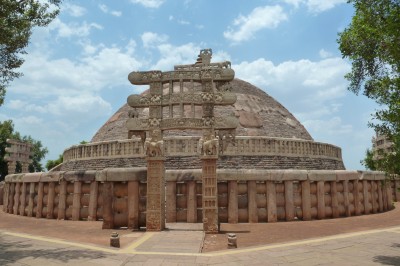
(268, 137)
(259, 115)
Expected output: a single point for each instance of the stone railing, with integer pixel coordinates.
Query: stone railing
(118, 196)
(187, 146)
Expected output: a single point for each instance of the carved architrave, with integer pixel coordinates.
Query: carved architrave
(192, 73)
(218, 98)
(229, 122)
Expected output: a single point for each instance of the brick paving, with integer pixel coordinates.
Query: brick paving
(366, 243)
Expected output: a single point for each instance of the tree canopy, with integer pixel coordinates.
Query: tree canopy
(38, 151)
(17, 19)
(372, 43)
(53, 163)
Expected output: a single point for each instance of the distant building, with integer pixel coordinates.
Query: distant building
(381, 145)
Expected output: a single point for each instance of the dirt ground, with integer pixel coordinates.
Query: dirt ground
(76, 231)
(247, 234)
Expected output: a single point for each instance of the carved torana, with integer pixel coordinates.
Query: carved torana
(18, 151)
(213, 78)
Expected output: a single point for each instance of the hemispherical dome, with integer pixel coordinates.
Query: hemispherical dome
(259, 115)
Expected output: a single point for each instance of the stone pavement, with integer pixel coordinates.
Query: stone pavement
(372, 247)
(360, 240)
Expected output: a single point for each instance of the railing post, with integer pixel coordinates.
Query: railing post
(233, 217)
(306, 200)
(252, 201)
(271, 202)
(133, 205)
(289, 202)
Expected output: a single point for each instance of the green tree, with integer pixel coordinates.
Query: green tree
(372, 43)
(6, 130)
(38, 151)
(17, 19)
(369, 161)
(53, 163)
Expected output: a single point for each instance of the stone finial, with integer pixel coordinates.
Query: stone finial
(204, 57)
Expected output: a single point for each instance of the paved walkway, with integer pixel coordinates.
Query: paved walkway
(46, 242)
(373, 247)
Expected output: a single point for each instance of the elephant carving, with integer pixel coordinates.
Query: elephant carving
(208, 147)
(154, 148)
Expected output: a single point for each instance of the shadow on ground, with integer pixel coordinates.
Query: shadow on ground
(15, 251)
(387, 260)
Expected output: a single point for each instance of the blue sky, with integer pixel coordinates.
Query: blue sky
(75, 73)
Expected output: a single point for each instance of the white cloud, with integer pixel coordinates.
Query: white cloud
(150, 39)
(316, 6)
(116, 13)
(183, 22)
(74, 10)
(73, 108)
(149, 3)
(106, 67)
(106, 10)
(316, 86)
(324, 54)
(89, 48)
(176, 55)
(295, 3)
(260, 18)
(73, 29)
(332, 126)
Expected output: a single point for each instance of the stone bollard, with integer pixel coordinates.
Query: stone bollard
(232, 240)
(114, 240)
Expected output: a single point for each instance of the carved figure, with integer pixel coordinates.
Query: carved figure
(226, 64)
(155, 146)
(208, 145)
(133, 113)
(208, 121)
(218, 97)
(207, 97)
(155, 99)
(154, 122)
(226, 137)
(144, 100)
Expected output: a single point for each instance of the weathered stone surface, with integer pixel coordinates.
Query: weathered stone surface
(251, 99)
(249, 119)
(193, 162)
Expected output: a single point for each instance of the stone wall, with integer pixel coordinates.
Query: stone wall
(243, 195)
(181, 152)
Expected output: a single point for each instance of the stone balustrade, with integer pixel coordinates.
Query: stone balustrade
(118, 195)
(187, 146)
